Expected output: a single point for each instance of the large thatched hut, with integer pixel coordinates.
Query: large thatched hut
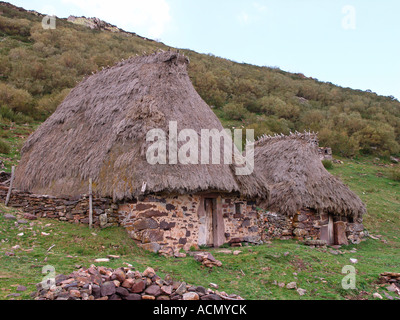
(100, 132)
(305, 200)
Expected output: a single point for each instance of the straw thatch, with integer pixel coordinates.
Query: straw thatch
(99, 132)
(298, 179)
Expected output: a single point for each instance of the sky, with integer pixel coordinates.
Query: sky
(351, 43)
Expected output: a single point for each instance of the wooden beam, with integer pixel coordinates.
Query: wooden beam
(90, 204)
(10, 187)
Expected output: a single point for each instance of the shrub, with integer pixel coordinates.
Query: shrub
(4, 147)
(327, 164)
(17, 117)
(395, 174)
(17, 100)
(235, 111)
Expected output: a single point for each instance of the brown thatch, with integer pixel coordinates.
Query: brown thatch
(298, 179)
(99, 132)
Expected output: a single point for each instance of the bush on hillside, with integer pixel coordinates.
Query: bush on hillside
(327, 164)
(395, 174)
(4, 147)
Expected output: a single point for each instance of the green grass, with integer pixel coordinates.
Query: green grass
(251, 274)
(371, 180)
(14, 135)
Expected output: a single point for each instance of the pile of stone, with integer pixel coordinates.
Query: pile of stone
(207, 259)
(391, 278)
(100, 283)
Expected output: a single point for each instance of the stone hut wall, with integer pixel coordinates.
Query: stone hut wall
(241, 226)
(162, 222)
(172, 223)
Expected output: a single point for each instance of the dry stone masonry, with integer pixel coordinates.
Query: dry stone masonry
(64, 209)
(173, 223)
(310, 225)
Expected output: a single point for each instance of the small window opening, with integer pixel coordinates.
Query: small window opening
(238, 208)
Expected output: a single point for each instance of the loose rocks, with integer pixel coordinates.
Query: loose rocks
(100, 283)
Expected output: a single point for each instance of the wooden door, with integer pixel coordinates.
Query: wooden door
(331, 231)
(328, 232)
(210, 214)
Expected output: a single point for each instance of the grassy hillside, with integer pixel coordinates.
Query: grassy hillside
(254, 274)
(38, 67)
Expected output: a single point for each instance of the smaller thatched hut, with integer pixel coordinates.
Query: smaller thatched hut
(305, 201)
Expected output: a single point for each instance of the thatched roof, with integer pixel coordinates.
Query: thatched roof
(99, 132)
(298, 179)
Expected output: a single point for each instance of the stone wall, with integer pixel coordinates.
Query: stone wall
(172, 223)
(240, 225)
(275, 226)
(162, 222)
(307, 225)
(64, 209)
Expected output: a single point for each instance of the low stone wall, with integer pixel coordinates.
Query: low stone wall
(307, 225)
(105, 213)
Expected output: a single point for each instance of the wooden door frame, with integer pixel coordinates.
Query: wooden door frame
(218, 224)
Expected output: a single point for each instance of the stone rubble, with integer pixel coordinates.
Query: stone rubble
(101, 283)
(207, 259)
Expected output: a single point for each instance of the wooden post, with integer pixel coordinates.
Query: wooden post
(90, 204)
(331, 232)
(11, 185)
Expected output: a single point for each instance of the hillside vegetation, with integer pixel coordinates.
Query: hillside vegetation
(38, 67)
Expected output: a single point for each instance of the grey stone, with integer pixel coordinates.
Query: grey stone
(96, 291)
(252, 239)
(291, 285)
(138, 286)
(107, 288)
(9, 217)
(122, 292)
(21, 288)
(150, 236)
(133, 296)
(153, 290)
(201, 289)
(211, 297)
(153, 247)
(181, 289)
(143, 224)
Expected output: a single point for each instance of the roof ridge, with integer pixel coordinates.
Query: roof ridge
(308, 136)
